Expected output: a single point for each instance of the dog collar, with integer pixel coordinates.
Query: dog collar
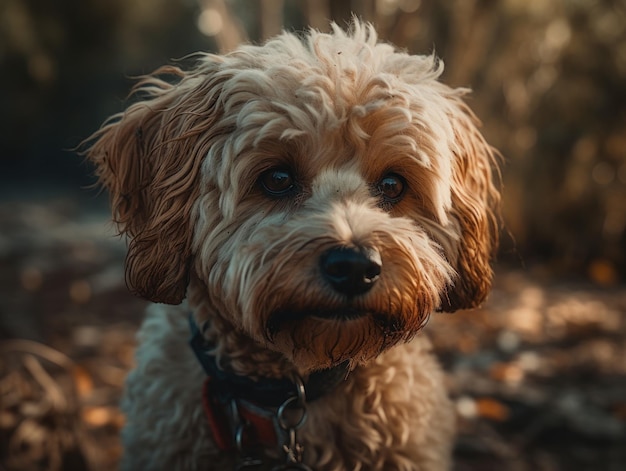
(265, 392)
(245, 413)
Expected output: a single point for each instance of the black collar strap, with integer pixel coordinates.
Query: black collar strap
(267, 392)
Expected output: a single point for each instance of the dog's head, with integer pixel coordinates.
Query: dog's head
(329, 193)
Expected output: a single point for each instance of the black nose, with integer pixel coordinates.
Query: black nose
(351, 271)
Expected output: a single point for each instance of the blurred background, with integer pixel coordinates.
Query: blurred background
(538, 375)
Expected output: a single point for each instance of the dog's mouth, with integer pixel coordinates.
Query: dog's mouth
(283, 318)
(326, 335)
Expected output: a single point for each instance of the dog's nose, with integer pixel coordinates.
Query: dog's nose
(351, 271)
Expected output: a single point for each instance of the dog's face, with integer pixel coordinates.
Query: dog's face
(328, 193)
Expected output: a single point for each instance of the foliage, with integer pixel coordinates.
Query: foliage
(549, 81)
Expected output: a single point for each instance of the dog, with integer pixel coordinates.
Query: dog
(296, 211)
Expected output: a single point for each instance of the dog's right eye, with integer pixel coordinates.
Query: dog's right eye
(277, 182)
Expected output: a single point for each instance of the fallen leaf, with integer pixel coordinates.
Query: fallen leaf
(492, 409)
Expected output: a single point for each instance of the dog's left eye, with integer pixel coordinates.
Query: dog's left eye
(277, 182)
(391, 187)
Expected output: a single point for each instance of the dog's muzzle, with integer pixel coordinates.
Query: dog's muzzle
(351, 273)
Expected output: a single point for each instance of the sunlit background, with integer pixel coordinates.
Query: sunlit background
(549, 84)
(549, 81)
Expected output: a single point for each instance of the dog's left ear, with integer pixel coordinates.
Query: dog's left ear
(475, 207)
(149, 159)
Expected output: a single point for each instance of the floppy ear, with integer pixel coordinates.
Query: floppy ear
(475, 206)
(149, 157)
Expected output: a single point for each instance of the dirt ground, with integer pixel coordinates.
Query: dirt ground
(538, 375)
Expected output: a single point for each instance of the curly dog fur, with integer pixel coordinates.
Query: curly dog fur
(311, 201)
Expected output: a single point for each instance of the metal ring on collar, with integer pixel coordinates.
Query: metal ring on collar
(300, 391)
(283, 420)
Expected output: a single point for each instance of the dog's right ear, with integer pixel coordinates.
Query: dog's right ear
(149, 159)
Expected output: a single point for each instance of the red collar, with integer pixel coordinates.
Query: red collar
(256, 402)
(259, 427)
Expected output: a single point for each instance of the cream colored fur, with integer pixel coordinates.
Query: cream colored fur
(345, 119)
(391, 414)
